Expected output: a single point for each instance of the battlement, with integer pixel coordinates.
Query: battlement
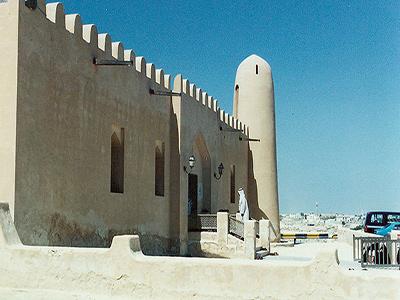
(103, 42)
(105, 48)
(190, 90)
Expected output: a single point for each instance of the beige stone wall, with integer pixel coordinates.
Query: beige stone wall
(8, 98)
(67, 111)
(199, 122)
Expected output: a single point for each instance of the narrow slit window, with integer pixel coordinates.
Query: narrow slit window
(257, 69)
(159, 168)
(236, 101)
(117, 161)
(233, 185)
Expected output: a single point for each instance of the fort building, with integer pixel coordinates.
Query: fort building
(97, 142)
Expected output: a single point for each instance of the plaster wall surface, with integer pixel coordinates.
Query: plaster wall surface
(199, 130)
(8, 98)
(68, 109)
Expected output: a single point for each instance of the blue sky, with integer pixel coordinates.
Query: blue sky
(336, 67)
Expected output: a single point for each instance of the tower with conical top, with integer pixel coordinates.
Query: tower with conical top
(253, 104)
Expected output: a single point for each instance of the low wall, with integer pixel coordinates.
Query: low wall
(123, 272)
(345, 235)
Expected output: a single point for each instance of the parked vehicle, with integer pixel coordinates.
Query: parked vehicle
(388, 228)
(375, 220)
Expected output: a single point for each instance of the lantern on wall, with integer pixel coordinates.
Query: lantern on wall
(192, 161)
(220, 171)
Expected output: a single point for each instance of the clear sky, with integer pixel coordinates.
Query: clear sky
(336, 68)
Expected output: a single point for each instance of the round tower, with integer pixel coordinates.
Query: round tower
(253, 104)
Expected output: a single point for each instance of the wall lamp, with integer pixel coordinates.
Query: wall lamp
(192, 160)
(220, 171)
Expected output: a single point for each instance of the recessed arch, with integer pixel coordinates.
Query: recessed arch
(203, 168)
(159, 167)
(233, 184)
(117, 162)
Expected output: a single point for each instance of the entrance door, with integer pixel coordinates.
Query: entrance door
(192, 195)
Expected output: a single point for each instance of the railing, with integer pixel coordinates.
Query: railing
(236, 227)
(208, 222)
(357, 248)
(203, 222)
(377, 252)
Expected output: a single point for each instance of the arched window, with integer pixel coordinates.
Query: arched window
(233, 185)
(236, 101)
(117, 162)
(159, 168)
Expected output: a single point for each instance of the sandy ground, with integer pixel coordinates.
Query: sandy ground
(24, 294)
(306, 251)
(36, 294)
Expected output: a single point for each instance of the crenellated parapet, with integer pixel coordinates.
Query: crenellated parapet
(151, 71)
(102, 42)
(55, 13)
(103, 46)
(184, 86)
(117, 51)
(140, 64)
(129, 55)
(191, 91)
(73, 24)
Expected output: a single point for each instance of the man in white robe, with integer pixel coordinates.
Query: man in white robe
(243, 207)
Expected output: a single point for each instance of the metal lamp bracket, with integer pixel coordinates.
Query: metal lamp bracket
(31, 4)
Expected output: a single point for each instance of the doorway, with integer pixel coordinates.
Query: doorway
(192, 195)
(203, 171)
